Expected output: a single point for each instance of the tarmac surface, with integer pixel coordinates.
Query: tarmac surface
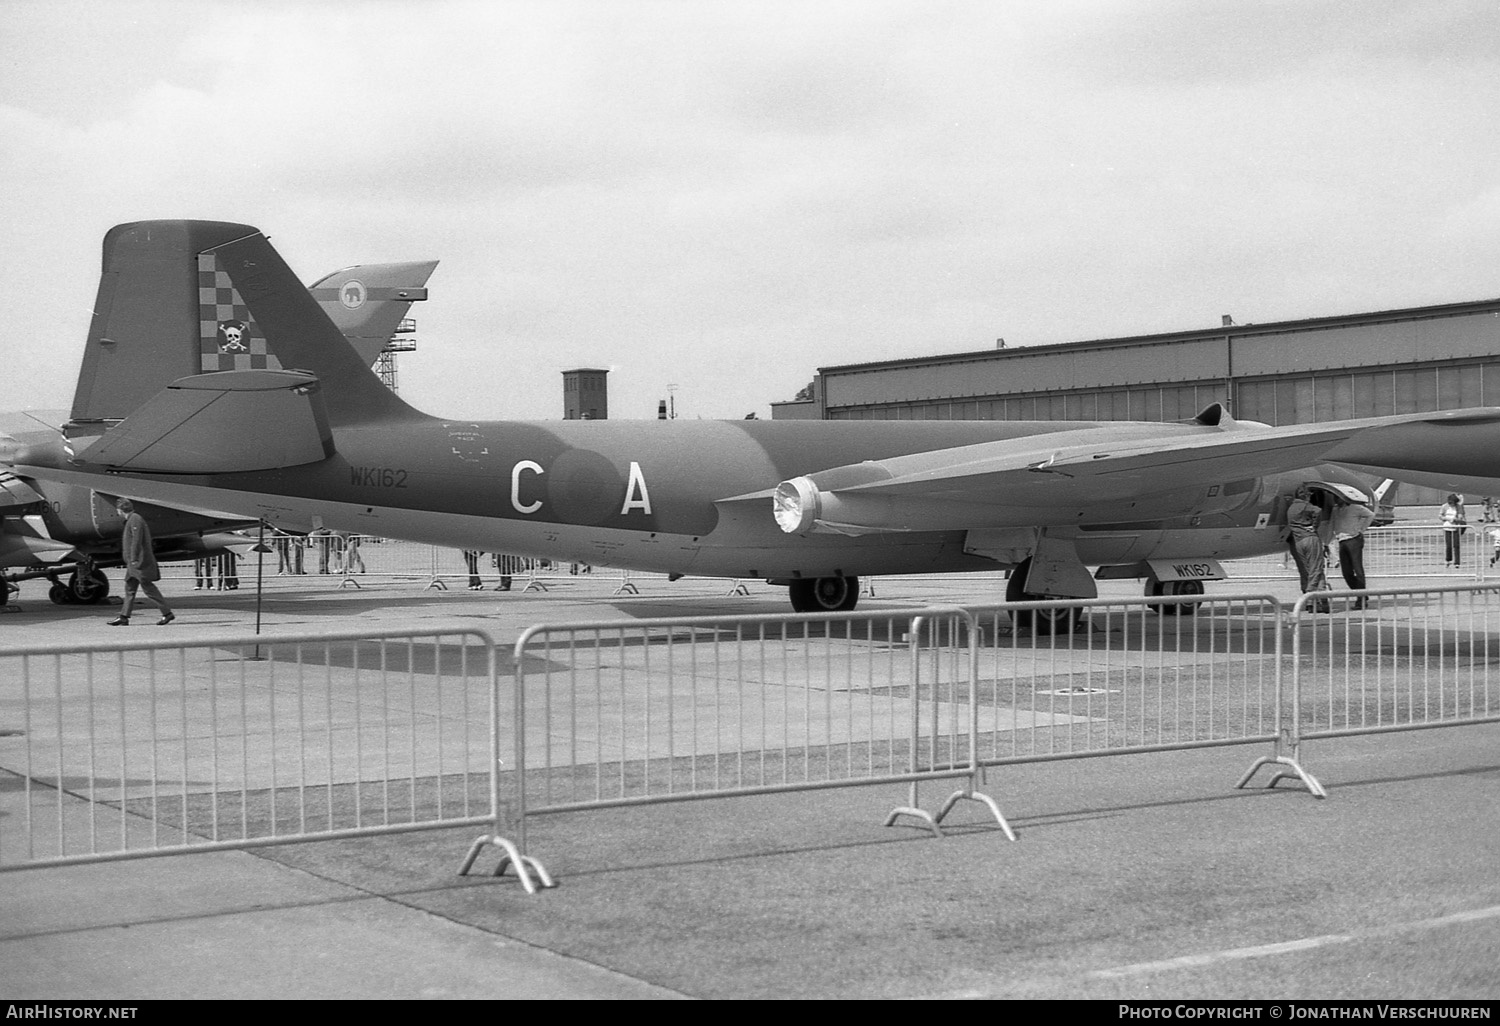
(1141, 876)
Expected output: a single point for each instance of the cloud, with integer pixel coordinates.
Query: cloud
(727, 196)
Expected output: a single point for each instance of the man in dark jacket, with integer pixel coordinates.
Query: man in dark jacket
(141, 572)
(1304, 521)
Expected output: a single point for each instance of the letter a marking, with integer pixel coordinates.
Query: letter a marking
(636, 496)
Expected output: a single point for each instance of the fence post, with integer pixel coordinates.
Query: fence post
(513, 852)
(1289, 737)
(434, 581)
(532, 584)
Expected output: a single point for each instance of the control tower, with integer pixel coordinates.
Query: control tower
(586, 394)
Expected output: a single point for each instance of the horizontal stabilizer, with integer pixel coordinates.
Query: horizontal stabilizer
(221, 423)
(25, 548)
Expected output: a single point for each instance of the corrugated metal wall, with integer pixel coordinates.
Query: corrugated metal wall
(1292, 373)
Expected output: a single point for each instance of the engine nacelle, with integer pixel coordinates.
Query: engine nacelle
(799, 504)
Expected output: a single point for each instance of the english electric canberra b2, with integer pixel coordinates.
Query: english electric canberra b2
(213, 381)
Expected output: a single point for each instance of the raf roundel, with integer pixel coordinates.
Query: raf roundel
(352, 294)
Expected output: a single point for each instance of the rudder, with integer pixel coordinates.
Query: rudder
(181, 298)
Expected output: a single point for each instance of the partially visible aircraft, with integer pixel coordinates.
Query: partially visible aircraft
(69, 534)
(369, 302)
(300, 428)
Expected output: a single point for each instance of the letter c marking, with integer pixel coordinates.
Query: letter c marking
(515, 486)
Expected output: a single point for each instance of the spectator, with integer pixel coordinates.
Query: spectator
(1349, 523)
(1305, 522)
(508, 566)
(1451, 516)
(354, 563)
(322, 537)
(471, 560)
(141, 572)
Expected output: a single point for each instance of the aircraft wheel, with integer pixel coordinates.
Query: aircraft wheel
(1154, 587)
(824, 594)
(1042, 621)
(61, 594)
(90, 588)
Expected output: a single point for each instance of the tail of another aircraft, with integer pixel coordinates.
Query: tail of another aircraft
(185, 298)
(369, 302)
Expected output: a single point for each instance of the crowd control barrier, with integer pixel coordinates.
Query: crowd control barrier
(1392, 660)
(611, 713)
(1110, 676)
(146, 748)
(1394, 552)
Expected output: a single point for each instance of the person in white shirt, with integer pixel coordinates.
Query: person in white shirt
(1451, 516)
(1349, 523)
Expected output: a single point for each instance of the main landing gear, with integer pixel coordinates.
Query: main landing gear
(824, 594)
(1040, 621)
(1156, 588)
(81, 588)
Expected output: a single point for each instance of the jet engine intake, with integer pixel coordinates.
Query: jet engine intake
(798, 504)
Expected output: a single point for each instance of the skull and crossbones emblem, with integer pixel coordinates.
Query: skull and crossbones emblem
(233, 337)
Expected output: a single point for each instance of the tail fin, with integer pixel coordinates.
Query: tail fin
(369, 302)
(181, 298)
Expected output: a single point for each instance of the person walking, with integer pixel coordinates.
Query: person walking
(141, 572)
(1451, 516)
(1304, 519)
(1349, 523)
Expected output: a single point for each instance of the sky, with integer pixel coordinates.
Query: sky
(714, 198)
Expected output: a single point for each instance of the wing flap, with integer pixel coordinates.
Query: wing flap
(227, 422)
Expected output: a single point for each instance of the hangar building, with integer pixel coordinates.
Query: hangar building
(1288, 372)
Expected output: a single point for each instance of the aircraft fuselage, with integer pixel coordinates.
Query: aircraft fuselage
(648, 495)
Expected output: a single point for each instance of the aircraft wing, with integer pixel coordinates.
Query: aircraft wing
(241, 420)
(1102, 474)
(16, 496)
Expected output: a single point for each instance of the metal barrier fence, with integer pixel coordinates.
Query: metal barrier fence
(1407, 550)
(614, 714)
(1392, 660)
(1075, 679)
(149, 748)
(139, 749)
(384, 559)
(611, 713)
(1396, 551)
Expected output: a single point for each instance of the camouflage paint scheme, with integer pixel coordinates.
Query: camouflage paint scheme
(327, 443)
(48, 527)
